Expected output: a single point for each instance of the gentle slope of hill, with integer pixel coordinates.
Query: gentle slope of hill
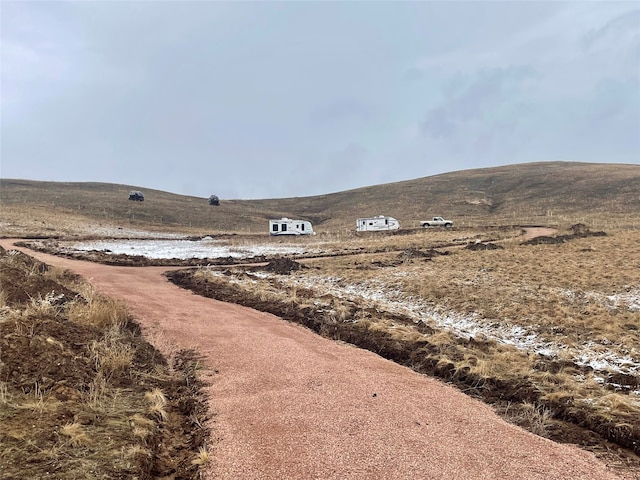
(541, 193)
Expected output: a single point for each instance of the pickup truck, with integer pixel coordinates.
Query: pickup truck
(436, 222)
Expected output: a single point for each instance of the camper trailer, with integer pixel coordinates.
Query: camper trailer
(286, 226)
(374, 224)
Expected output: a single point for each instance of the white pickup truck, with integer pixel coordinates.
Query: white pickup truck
(436, 222)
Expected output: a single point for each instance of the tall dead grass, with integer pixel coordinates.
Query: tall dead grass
(73, 377)
(537, 419)
(112, 355)
(95, 309)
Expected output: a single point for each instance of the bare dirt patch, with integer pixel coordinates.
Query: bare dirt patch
(532, 232)
(426, 254)
(283, 266)
(476, 247)
(579, 230)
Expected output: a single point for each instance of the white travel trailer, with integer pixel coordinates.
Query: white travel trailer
(286, 226)
(374, 224)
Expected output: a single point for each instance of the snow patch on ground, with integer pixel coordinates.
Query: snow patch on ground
(629, 299)
(184, 249)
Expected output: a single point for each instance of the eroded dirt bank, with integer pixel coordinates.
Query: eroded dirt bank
(290, 404)
(82, 393)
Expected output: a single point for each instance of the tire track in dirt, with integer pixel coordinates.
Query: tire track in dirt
(289, 404)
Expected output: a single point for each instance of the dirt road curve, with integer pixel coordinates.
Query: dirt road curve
(289, 404)
(532, 232)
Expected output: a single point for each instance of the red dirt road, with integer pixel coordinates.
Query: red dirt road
(289, 404)
(533, 232)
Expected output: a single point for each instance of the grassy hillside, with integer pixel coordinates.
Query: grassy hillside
(555, 193)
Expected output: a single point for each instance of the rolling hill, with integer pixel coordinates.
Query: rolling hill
(554, 193)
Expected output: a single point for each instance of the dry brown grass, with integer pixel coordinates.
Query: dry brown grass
(535, 418)
(157, 404)
(620, 404)
(76, 433)
(74, 375)
(203, 457)
(112, 355)
(554, 193)
(43, 306)
(98, 310)
(549, 286)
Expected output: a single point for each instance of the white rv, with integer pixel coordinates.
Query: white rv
(286, 226)
(374, 224)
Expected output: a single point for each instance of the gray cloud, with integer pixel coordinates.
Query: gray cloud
(482, 99)
(622, 30)
(253, 100)
(339, 111)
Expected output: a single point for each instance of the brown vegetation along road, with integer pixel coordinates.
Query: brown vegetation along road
(289, 404)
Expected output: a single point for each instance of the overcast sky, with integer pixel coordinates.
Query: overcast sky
(280, 99)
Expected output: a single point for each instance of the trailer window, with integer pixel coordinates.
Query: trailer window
(302, 227)
(275, 227)
(386, 221)
(284, 227)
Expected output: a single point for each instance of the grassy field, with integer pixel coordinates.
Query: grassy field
(555, 193)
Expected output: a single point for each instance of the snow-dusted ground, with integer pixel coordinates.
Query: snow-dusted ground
(599, 356)
(629, 299)
(184, 249)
